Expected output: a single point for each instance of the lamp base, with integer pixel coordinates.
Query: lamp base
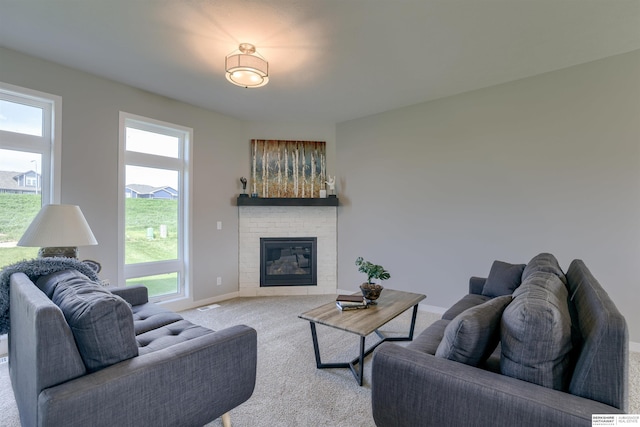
(55, 251)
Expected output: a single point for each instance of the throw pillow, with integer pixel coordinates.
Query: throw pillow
(101, 323)
(544, 263)
(472, 336)
(48, 283)
(536, 333)
(503, 279)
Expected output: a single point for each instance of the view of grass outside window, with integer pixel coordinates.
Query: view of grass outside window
(20, 202)
(25, 147)
(146, 239)
(151, 236)
(154, 171)
(16, 213)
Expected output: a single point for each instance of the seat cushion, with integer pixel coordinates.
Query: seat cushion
(503, 279)
(536, 332)
(429, 339)
(151, 316)
(168, 335)
(472, 336)
(102, 323)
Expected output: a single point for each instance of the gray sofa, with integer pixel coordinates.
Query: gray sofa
(561, 355)
(81, 355)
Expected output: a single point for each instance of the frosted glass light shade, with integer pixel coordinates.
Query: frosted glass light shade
(62, 226)
(246, 68)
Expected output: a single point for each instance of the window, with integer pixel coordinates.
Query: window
(29, 159)
(154, 211)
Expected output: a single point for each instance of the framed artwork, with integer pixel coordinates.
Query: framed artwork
(287, 168)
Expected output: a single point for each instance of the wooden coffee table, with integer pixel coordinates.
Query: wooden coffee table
(363, 322)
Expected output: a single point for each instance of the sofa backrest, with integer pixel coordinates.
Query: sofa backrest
(42, 350)
(601, 371)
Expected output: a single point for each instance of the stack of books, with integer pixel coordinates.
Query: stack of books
(351, 302)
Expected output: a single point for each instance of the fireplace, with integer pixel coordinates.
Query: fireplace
(288, 261)
(256, 222)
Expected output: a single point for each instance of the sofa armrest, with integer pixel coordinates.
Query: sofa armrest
(476, 284)
(134, 295)
(410, 388)
(190, 383)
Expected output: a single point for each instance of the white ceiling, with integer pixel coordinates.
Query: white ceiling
(329, 60)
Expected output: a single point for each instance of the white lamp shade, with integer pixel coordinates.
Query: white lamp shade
(247, 68)
(58, 225)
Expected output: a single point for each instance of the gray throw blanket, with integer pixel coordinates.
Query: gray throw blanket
(34, 269)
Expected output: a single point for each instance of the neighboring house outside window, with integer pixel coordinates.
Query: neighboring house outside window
(138, 191)
(28, 182)
(30, 141)
(154, 205)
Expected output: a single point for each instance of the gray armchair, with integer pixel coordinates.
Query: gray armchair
(185, 376)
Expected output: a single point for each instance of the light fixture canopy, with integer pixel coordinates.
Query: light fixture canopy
(58, 230)
(247, 68)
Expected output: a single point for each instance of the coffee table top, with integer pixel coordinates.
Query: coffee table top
(390, 305)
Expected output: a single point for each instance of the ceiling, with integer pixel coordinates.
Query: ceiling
(329, 60)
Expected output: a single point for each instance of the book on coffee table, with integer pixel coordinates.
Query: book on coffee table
(351, 298)
(350, 302)
(350, 306)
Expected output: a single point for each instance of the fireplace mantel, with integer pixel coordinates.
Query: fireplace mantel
(287, 201)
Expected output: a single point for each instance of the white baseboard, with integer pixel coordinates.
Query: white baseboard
(187, 304)
(634, 346)
(432, 308)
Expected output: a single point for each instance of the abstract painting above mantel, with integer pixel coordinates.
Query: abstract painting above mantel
(287, 168)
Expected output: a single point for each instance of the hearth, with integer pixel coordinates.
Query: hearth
(288, 261)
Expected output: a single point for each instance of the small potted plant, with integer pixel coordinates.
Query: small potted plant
(371, 291)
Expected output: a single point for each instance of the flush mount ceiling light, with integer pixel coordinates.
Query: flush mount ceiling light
(244, 67)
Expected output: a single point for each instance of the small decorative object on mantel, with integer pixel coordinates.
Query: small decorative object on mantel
(243, 180)
(254, 193)
(331, 182)
(371, 291)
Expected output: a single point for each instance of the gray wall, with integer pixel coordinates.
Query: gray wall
(90, 110)
(435, 192)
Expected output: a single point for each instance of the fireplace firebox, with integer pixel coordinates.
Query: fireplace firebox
(288, 261)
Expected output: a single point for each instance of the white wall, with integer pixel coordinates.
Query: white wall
(437, 191)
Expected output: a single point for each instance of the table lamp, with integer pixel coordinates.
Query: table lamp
(58, 230)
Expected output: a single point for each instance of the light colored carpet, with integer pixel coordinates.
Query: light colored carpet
(290, 391)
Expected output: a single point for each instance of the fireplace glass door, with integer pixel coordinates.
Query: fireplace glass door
(288, 261)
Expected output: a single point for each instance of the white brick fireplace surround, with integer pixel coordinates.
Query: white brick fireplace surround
(287, 221)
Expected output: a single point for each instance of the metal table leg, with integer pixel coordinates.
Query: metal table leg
(359, 373)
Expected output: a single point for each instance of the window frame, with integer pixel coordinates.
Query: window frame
(49, 145)
(181, 164)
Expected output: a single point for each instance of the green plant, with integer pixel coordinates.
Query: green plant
(373, 271)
